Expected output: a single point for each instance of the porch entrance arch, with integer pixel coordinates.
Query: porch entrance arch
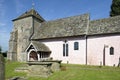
(37, 51)
(33, 55)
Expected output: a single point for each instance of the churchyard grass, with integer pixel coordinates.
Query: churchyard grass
(71, 72)
(10, 70)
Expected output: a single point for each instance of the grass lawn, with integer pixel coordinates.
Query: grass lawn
(72, 72)
(10, 68)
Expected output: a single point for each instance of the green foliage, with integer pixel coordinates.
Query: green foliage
(72, 72)
(115, 8)
(4, 54)
(0, 50)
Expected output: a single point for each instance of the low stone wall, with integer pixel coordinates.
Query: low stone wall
(55, 65)
(40, 68)
(44, 68)
(2, 68)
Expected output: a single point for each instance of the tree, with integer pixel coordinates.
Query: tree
(4, 54)
(115, 8)
(0, 50)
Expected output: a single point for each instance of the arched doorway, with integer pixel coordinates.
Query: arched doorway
(33, 56)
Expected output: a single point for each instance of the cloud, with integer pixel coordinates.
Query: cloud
(2, 24)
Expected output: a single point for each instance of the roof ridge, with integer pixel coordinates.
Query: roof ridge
(28, 13)
(64, 18)
(106, 18)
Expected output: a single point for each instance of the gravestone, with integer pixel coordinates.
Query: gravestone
(2, 68)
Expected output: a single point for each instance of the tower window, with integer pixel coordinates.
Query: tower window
(111, 50)
(76, 45)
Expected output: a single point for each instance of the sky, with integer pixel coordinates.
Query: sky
(49, 10)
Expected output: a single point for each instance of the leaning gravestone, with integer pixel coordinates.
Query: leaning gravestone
(2, 68)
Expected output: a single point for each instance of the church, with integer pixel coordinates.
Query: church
(74, 40)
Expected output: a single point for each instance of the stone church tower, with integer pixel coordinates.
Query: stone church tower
(21, 34)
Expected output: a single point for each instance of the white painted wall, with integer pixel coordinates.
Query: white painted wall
(96, 46)
(95, 49)
(74, 56)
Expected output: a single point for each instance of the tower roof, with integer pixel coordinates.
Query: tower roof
(31, 12)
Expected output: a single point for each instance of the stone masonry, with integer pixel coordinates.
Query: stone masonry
(21, 34)
(19, 38)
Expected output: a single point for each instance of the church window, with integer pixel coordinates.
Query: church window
(65, 49)
(76, 45)
(111, 50)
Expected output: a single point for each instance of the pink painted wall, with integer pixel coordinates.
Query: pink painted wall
(75, 56)
(96, 47)
(95, 50)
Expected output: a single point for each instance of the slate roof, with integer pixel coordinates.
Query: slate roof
(40, 46)
(105, 26)
(31, 12)
(71, 26)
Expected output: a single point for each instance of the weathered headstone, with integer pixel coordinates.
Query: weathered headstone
(2, 68)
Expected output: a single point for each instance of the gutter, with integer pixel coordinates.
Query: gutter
(86, 39)
(32, 29)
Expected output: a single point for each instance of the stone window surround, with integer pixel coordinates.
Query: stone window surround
(65, 49)
(111, 50)
(76, 45)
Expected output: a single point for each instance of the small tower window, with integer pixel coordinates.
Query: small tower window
(111, 50)
(76, 45)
